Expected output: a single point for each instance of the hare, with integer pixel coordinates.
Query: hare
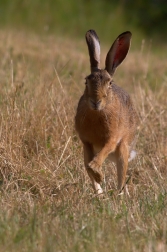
(106, 118)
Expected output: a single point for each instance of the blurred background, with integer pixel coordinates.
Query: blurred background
(145, 18)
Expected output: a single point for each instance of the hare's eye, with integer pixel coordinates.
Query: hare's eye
(86, 82)
(109, 84)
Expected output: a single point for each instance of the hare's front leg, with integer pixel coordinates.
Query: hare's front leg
(95, 176)
(99, 158)
(122, 163)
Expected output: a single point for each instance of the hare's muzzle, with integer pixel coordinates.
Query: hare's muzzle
(95, 105)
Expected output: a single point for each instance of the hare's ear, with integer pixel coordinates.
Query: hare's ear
(94, 50)
(118, 52)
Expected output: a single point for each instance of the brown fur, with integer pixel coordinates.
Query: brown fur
(106, 124)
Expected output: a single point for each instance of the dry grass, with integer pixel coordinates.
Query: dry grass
(47, 203)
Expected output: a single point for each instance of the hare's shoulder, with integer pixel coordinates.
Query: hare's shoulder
(122, 95)
(124, 99)
(126, 104)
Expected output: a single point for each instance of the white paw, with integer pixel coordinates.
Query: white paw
(98, 188)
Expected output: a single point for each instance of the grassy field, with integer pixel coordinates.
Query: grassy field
(47, 202)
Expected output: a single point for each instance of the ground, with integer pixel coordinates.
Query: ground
(47, 202)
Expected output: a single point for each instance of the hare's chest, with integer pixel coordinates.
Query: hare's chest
(95, 130)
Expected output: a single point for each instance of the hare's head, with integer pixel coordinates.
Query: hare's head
(99, 82)
(98, 85)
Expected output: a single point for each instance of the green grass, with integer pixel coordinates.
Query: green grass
(73, 18)
(87, 224)
(68, 18)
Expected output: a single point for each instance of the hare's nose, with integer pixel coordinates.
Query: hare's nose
(95, 104)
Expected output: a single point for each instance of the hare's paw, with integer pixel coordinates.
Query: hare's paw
(95, 168)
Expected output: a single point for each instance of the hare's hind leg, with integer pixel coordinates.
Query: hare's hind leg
(122, 163)
(95, 178)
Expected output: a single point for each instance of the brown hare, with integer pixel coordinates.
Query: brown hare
(106, 119)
